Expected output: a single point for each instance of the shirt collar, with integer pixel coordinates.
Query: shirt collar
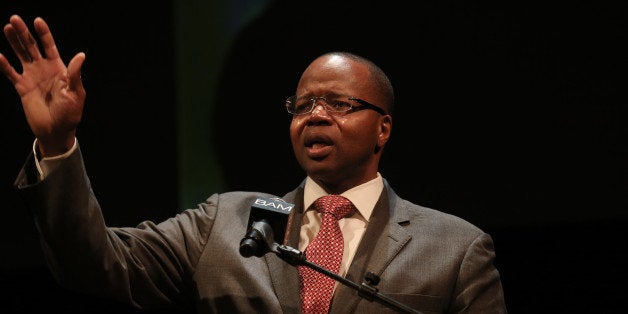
(363, 196)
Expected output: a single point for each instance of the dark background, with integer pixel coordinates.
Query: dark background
(510, 115)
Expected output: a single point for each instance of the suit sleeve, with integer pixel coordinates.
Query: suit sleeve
(478, 288)
(149, 266)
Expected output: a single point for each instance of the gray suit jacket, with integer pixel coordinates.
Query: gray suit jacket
(429, 260)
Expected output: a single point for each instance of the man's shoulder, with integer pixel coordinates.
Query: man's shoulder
(436, 219)
(236, 197)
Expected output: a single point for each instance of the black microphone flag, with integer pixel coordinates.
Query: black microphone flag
(267, 225)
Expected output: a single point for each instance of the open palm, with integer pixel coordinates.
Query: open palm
(52, 94)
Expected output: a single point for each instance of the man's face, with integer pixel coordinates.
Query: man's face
(339, 151)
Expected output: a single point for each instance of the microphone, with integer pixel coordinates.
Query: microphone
(267, 226)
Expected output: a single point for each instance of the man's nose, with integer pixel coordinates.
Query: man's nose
(319, 109)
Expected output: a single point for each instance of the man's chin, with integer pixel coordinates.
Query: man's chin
(319, 168)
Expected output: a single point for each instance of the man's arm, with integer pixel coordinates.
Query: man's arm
(479, 288)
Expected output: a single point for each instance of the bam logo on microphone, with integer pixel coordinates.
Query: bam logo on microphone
(273, 204)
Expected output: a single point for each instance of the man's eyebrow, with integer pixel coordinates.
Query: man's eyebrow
(326, 95)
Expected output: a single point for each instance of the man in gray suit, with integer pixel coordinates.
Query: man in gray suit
(427, 260)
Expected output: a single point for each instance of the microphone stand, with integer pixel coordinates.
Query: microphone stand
(366, 290)
(259, 239)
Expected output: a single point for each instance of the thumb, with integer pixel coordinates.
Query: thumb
(74, 72)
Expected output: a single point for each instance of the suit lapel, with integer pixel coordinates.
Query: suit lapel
(382, 241)
(285, 277)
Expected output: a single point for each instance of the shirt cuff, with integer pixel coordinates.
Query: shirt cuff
(48, 164)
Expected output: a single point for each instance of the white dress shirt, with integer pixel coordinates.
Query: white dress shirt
(363, 196)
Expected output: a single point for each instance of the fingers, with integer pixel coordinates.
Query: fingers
(26, 38)
(16, 44)
(74, 72)
(21, 40)
(45, 36)
(8, 70)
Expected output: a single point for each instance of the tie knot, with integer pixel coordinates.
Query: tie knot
(337, 205)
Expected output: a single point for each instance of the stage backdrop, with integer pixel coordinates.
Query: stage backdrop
(510, 115)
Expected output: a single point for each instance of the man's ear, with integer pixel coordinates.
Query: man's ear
(385, 128)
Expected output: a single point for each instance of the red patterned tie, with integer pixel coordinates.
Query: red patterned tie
(326, 251)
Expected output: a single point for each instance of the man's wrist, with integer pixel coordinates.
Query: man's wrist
(46, 164)
(41, 156)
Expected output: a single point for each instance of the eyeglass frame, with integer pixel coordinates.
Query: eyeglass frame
(312, 100)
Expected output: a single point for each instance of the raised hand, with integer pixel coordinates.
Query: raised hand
(52, 94)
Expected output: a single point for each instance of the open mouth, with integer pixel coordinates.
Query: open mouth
(318, 146)
(317, 141)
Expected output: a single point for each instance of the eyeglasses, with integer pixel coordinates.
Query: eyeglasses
(337, 105)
